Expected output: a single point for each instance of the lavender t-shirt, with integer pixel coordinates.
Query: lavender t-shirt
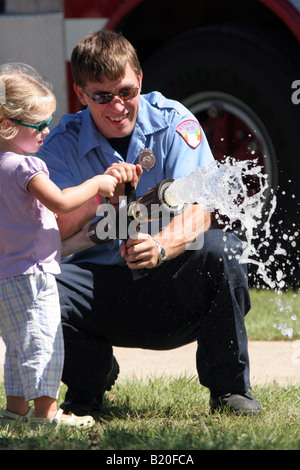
(29, 236)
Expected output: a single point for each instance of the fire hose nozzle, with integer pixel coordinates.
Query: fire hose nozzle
(151, 206)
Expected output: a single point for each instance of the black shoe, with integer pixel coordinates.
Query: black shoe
(93, 407)
(112, 375)
(242, 403)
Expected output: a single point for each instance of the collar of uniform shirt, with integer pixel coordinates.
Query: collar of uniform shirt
(89, 136)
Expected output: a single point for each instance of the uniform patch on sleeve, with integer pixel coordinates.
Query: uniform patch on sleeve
(190, 130)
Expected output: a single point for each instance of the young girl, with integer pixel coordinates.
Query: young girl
(30, 251)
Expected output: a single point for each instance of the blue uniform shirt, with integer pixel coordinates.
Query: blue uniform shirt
(75, 151)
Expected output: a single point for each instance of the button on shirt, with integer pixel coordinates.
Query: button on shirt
(29, 236)
(75, 151)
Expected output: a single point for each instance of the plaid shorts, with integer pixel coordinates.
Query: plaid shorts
(31, 330)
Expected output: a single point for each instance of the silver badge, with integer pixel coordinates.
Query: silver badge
(147, 159)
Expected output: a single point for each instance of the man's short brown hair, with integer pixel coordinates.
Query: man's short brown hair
(102, 54)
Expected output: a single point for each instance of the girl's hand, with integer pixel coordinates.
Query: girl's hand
(107, 185)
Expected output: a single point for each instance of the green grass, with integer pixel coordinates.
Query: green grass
(269, 308)
(173, 414)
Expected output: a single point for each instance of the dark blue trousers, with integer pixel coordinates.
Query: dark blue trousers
(200, 295)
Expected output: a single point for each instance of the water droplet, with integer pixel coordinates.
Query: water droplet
(222, 188)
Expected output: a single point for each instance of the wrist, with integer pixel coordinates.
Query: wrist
(161, 253)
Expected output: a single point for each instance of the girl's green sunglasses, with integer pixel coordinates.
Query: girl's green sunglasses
(39, 127)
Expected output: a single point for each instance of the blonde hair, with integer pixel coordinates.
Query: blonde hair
(24, 96)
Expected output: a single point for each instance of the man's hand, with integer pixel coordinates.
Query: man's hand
(125, 172)
(140, 252)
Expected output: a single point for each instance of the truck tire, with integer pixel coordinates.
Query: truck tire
(237, 81)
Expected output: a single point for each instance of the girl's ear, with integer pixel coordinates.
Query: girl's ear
(6, 127)
(5, 124)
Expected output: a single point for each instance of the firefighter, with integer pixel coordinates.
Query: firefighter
(188, 294)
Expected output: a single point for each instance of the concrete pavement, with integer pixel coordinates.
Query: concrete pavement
(277, 361)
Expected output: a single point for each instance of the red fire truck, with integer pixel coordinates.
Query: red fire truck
(235, 64)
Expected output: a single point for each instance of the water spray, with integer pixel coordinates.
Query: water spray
(222, 189)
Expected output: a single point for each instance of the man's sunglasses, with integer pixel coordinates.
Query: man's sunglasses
(104, 98)
(40, 127)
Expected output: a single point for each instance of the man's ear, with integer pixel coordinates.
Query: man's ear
(80, 94)
(141, 79)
